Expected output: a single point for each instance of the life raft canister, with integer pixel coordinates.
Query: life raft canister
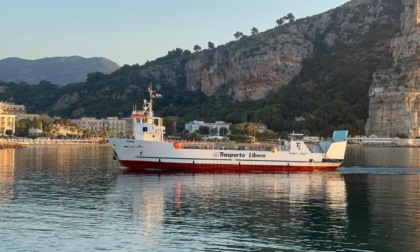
(177, 145)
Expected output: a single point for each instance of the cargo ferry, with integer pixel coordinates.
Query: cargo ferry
(148, 150)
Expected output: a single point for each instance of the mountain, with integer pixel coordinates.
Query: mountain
(312, 75)
(58, 70)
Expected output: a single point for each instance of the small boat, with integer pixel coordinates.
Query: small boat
(149, 150)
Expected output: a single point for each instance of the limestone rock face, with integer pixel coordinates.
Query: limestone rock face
(253, 66)
(249, 72)
(394, 103)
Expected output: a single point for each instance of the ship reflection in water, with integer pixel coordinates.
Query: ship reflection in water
(265, 208)
(7, 173)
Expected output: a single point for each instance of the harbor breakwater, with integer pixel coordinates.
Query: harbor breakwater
(24, 142)
(384, 141)
(7, 145)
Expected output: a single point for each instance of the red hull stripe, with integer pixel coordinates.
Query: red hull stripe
(168, 166)
(214, 160)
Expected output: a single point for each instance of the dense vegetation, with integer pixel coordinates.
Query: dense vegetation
(331, 92)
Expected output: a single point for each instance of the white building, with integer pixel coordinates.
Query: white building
(35, 132)
(216, 126)
(90, 123)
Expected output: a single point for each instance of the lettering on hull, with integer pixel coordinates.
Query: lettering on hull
(238, 155)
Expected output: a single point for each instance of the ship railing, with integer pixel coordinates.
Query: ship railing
(186, 144)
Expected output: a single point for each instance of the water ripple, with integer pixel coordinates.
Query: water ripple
(71, 199)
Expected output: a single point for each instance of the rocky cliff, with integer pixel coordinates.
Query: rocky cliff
(395, 93)
(253, 66)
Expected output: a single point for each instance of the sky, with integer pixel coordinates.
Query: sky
(135, 31)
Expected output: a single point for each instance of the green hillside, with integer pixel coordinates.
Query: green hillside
(331, 91)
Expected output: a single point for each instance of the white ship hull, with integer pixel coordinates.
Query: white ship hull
(164, 156)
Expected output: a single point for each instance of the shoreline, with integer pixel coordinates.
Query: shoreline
(19, 143)
(10, 146)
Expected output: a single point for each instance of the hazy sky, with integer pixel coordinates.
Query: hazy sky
(134, 31)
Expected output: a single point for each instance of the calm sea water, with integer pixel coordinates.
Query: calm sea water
(73, 198)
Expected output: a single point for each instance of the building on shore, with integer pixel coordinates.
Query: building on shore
(12, 109)
(89, 123)
(7, 122)
(129, 128)
(216, 126)
(117, 126)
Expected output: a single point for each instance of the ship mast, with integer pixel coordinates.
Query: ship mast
(151, 100)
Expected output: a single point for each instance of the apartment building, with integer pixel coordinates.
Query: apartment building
(12, 109)
(7, 122)
(90, 123)
(117, 126)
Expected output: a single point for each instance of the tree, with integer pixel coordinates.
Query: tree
(290, 17)
(88, 133)
(268, 134)
(204, 130)
(36, 123)
(72, 130)
(197, 48)
(78, 130)
(169, 126)
(95, 77)
(62, 121)
(54, 131)
(175, 53)
(238, 35)
(280, 21)
(47, 128)
(9, 132)
(195, 136)
(254, 31)
(238, 129)
(252, 129)
(186, 52)
(223, 131)
(211, 45)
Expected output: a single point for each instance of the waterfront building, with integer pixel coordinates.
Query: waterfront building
(216, 126)
(129, 131)
(89, 123)
(35, 132)
(117, 126)
(7, 122)
(12, 109)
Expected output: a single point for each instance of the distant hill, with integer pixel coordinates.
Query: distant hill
(57, 70)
